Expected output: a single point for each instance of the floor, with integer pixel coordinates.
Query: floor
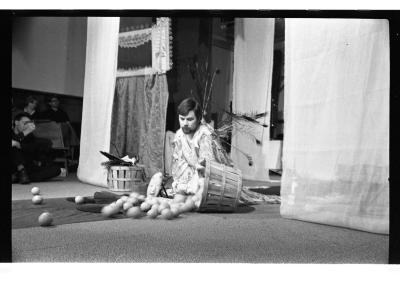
(255, 234)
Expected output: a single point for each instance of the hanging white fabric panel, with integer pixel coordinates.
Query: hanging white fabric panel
(252, 75)
(100, 74)
(336, 141)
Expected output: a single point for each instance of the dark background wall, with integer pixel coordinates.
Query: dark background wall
(48, 57)
(207, 40)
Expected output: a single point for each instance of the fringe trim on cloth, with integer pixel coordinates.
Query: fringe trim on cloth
(250, 197)
(134, 39)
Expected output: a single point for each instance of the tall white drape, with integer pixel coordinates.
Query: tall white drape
(252, 75)
(100, 74)
(336, 139)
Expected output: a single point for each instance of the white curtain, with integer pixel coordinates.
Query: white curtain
(252, 75)
(100, 74)
(336, 139)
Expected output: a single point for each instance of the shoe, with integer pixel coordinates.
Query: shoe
(63, 172)
(23, 177)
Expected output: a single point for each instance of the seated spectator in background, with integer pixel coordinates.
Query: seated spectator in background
(31, 156)
(54, 112)
(30, 107)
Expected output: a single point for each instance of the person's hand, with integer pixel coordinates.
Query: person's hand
(29, 128)
(202, 162)
(200, 167)
(15, 144)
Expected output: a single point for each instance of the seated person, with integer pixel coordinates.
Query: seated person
(54, 112)
(31, 156)
(30, 107)
(193, 145)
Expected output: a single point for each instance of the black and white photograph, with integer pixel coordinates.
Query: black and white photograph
(202, 136)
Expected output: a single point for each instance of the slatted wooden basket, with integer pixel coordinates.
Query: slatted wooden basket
(126, 179)
(222, 187)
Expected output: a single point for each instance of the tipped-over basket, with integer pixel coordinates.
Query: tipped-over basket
(222, 187)
(126, 179)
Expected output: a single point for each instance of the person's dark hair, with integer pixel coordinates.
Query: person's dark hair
(190, 104)
(53, 97)
(20, 115)
(30, 99)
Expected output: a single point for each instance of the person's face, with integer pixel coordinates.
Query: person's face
(188, 123)
(33, 104)
(54, 102)
(22, 124)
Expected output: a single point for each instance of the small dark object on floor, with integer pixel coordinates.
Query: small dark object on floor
(105, 197)
(96, 202)
(90, 207)
(273, 190)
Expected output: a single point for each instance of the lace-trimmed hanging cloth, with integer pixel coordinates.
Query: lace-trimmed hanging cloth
(161, 41)
(133, 39)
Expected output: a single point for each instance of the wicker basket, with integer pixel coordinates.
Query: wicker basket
(222, 187)
(124, 179)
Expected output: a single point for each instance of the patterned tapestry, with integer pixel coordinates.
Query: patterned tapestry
(139, 118)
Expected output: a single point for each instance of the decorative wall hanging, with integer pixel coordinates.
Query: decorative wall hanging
(145, 51)
(134, 38)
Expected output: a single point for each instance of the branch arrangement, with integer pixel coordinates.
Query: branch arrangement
(245, 123)
(204, 81)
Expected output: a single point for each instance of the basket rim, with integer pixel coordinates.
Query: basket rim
(127, 167)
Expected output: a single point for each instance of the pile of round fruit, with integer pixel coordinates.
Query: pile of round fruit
(138, 206)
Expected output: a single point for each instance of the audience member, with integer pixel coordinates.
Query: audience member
(31, 104)
(54, 112)
(31, 156)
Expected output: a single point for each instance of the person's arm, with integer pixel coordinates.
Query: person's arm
(179, 163)
(29, 129)
(22, 135)
(205, 148)
(18, 137)
(205, 153)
